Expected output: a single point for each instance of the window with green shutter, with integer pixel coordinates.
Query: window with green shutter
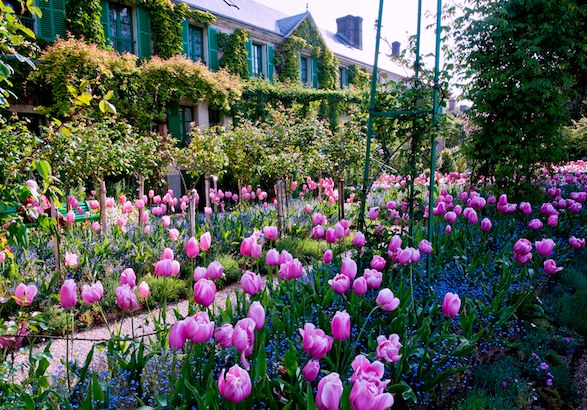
(270, 63)
(304, 70)
(120, 25)
(145, 48)
(195, 42)
(256, 60)
(212, 49)
(52, 23)
(315, 73)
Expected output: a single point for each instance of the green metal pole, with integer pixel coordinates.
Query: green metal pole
(433, 136)
(413, 144)
(370, 122)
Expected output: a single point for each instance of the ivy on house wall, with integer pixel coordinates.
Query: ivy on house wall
(234, 57)
(358, 77)
(83, 20)
(307, 36)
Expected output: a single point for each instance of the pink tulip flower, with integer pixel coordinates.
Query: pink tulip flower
(451, 305)
(236, 385)
(373, 278)
(317, 232)
(70, 217)
(486, 225)
(128, 277)
(144, 290)
(373, 213)
(68, 294)
(257, 313)
(96, 226)
(24, 295)
(126, 298)
(341, 325)
(92, 293)
(395, 243)
(71, 259)
(198, 328)
(328, 255)
(377, 263)
(316, 343)
(367, 395)
(576, 242)
(291, 270)
(330, 235)
(256, 250)
(243, 339)
(550, 267)
(251, 283)
(349, 268)
(359, 240)
(272, 257)
(386, 300)
(177, 337)
(340, 284)
(545, 247)
(214, 270)
(167, 254)
(270, 232)
(388, 349)
(204, 292)
(535, 224)
(311, 370)
(205, 241)
(329, 392)
(223, 335)
(360, 286)
(285, 256)
(192, 248)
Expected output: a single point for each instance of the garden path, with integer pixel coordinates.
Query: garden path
(143, 324)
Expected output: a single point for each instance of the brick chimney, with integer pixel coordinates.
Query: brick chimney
(351, 27)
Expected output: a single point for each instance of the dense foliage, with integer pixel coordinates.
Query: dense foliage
(83, 19)
(234, 57)
(517, 58)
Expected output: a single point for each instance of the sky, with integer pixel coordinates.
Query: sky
(399, 16)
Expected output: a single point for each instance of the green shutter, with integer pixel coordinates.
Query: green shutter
(144, 29)
(52, 23)
(345, 80)
(185, 37)
(105, 20)
(212, 49)
(314, 72)
(270, 63)
(173, 120)
(249, 48)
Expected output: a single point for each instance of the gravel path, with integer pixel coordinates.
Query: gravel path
(142, 322)
(581, 381)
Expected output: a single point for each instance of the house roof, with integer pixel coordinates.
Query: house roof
(258, 15)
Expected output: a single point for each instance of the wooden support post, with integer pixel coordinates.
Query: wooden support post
(341, 199)
(207, 189)
(215, 180)
(56, 239)
(280, 191)
(141, 193)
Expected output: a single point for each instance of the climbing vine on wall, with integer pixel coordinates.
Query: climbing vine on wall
(358, 77)
(83, 20)
(304, 37)
(234, 57)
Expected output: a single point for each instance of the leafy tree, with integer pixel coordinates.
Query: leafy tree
(517, 58)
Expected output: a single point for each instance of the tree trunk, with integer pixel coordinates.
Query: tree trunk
(207, 189)
(56, 239)
(103, 219)
(280, 192)
(215, 180)
(193, 206)
(341, 196)
(141, 193)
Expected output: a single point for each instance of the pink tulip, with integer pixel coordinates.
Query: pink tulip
(425, 247)
(236, 385)
(246, 244)
(341, 325)
(386, 300)
(359, 240)
(329, 392)
(126, 298)
(311, 370)
(199, 273)
(2, 256)
(349, 268)
(147, 229)
(388, 349)
(328, 255)
(451, 305)
(24, 295)
(71, 259)
(144, 290)
(173, 234)
(553, 220)
(291, 270)
(360, 286)
(373, 213)
(576, 242)
(363, 369)
(205, 241)
(70, 217)
(535, 224)
(330, 235)
(207, 211)
(316, 343)
(317, 232)
(177, 337)
(223, 335)
(109, 202)
(395, 243)
(92, 293)
(373, 278)
(377, 263)
(285, 256)
(544, 247)
(166, 221)
(257, 313)
(318, 219)
(243, 339)
(204, 292)
(167, 254)
(448, 229)
(272, 257)
(525, 207)
(68, 294)
(251, 283)
(96, 226)
(128, 277)
(550, 267)
(164, 268)
(215, 270)
(367, 395)
(198, 328)
(338, 231)
(94, 204)
(270, 232)
(486, 225)
(256, 250)
(450, 217)
(192, 249)
(340, 284)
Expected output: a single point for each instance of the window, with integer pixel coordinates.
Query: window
(257, 60)
(214, 117)
(342, 77)
(195, 45)
(304, 70)
(121, 28)
(186, 118)
(23, 14)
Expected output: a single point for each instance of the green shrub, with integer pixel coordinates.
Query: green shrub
(480, 400)
(303, 249)
(232, 272)
(170, 289)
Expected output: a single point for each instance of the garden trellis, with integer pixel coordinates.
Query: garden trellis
(406, 115)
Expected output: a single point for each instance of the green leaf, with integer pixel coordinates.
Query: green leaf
(43, 168)
(109, 95)
(290, 361)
